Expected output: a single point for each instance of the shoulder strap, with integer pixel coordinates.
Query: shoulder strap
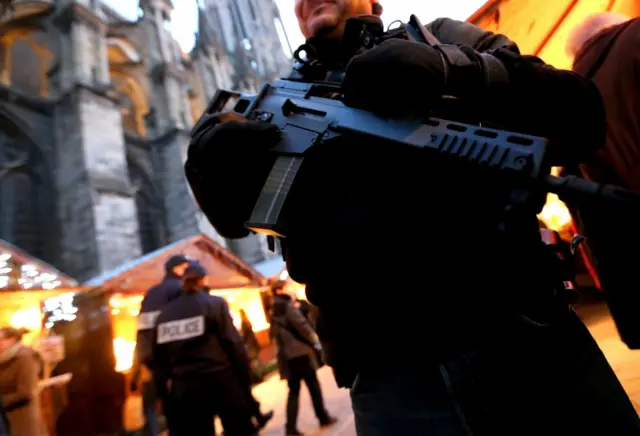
(419, 33)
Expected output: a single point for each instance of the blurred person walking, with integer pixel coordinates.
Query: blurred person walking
(253, 346)
(297, 348)
(199, 355)
(257, 369)
(20, 372)
(308, 310)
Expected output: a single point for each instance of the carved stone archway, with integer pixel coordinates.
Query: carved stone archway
(27, 205)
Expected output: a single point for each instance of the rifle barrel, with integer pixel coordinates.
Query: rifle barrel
(576, 191)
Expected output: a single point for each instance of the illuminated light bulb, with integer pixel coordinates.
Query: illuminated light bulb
(30, 319)
(124, 351)
(555, 214)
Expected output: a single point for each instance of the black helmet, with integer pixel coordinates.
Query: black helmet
(194, 271)
(174, 261)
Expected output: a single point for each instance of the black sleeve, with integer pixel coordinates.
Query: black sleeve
(557, 104)
(455, 32)
(534, 97)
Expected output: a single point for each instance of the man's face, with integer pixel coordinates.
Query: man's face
(178, 270)
(327, 17)
(5, 342)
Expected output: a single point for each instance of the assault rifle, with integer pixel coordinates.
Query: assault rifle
(306, 116)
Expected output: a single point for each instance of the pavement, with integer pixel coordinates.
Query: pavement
(272, 395)
(625, 362)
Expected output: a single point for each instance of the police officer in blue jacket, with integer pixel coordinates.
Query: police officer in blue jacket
(199, 351)
(155, 299)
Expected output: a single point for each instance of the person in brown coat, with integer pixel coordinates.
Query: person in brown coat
(297, 345)
(606, 49)
(20, 369)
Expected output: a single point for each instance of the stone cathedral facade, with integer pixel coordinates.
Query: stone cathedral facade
(95, 113)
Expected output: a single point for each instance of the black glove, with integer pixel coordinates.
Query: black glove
(394, 78)
(227, 164)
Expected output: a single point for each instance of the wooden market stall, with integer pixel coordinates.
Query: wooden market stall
(119, 293)
(25, 283)
(228, 277)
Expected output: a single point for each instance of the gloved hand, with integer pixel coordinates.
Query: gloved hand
(226, 167)
(394, 78)
(133, 387)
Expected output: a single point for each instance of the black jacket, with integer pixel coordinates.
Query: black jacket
(293, 334)
(440, 276)
(153, 302)
(194, 337)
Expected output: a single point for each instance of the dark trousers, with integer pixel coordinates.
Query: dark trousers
(300, 369)
(199, 401)
(537, 381)
(149, 401)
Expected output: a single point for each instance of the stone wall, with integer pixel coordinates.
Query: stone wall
(179, 207)
(99, 223)
(115, 216)
(117, 232)
(78, 244)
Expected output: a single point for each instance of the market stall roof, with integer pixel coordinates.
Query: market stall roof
(19, 271)
(225, 270)
(541, 27)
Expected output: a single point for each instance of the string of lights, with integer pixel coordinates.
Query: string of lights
(17, 275)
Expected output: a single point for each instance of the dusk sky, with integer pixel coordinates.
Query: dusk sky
(185, 16)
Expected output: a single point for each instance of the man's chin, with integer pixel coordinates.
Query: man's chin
(326, 28)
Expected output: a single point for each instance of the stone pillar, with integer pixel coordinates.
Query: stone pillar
(169, 122)
(96, 202)
(206, 74)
